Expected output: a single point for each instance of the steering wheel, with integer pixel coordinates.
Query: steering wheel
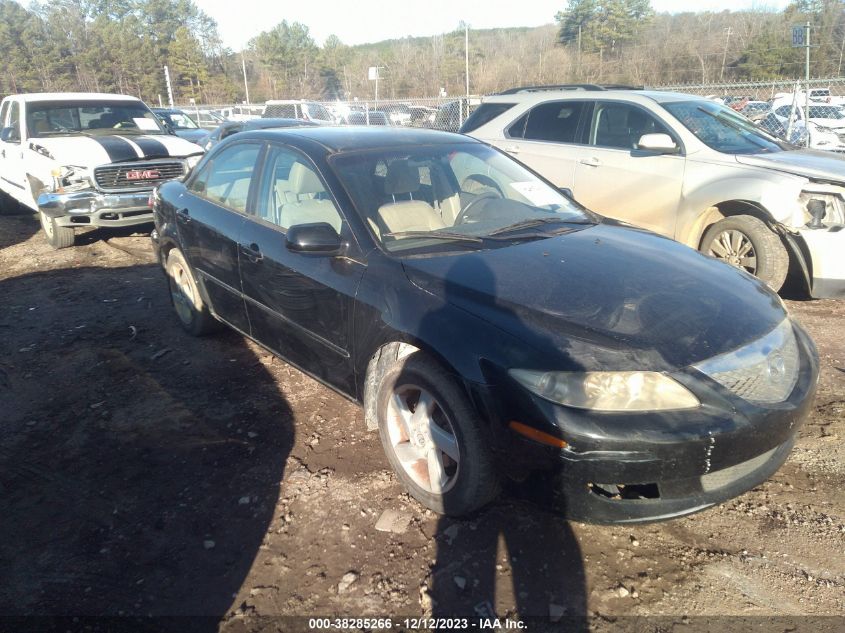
(463, 216)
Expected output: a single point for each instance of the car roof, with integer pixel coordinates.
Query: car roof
(346, 138)
(75, 96)
(636, 96)
(258, 124)
(167, 110)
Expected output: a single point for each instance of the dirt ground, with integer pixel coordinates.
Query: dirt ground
(145, 472)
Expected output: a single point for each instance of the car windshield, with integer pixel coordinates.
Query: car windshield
(826, 112)
(454, 196)
(179, 120)
(723, 129)
(55, 118)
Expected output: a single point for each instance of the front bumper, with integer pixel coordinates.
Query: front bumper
(91, 208)
(827, 263)
(655, 466)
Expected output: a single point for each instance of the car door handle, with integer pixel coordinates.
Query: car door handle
(590, 162)
(3, 153)
(184, 215)
(252, 252)
(512, 149)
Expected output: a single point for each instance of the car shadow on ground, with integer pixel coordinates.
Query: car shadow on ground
(139, 467)
(90, 236)
(17, 229)
(516, 536)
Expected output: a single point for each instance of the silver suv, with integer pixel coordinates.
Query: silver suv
(686, 167)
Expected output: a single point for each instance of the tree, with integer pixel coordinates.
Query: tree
(602, 24)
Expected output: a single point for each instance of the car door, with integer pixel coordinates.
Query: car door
(618, 180)
(210, 214)
(12, 167)
(546, 137)
(299, 304)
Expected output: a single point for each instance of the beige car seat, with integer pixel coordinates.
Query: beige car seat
(303, 181)
(406, 215)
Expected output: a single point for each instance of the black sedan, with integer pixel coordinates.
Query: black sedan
(228, 128)
(490, 327)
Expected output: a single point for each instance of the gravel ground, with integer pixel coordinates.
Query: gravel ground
(144, 472)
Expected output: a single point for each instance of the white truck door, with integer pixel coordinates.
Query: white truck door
(12, 167)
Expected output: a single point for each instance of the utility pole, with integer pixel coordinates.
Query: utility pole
(728, 32)
(169, 87)
(807, 86)
(466, 54)
(579, 50)
(246, 86)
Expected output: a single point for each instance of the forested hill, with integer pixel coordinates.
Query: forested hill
(123, 45)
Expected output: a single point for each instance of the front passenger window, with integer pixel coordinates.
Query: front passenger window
(621, 125)
(293, 193)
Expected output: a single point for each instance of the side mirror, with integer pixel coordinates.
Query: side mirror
(567, 192)
(662, 143)
(9, 135)
(318, 238)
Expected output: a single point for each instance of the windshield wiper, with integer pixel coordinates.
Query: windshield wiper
(435, 234)
(526, 224)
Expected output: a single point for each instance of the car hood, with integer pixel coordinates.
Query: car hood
(606, 297)
(90, 151)
(192, 135)
(802, 162)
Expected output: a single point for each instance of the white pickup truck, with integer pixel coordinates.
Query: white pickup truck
(86, 159)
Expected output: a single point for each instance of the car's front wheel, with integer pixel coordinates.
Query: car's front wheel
(187, 301)
(57, 236)
(433, 437)
(747, 243)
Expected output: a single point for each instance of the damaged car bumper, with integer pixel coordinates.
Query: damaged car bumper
(619, 468)
(826, 247)
(92, 208)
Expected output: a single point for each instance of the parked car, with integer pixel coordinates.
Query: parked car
(86, 159)
(242, 112)
(756, 109)
(451, 115)
(399, 113)
(181, 124)
(687, 168)
(371, 117)
(229, 128)
(304, 110)
(826, 123)
(423, 116)
(489, 325)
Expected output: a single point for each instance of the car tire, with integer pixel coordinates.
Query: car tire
(187, 302)
(747, 243)
(57, 236)
(413, 444)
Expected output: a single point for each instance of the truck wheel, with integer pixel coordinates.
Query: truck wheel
(187, 302)
(57, 236)
(433, 437)
(747, 243)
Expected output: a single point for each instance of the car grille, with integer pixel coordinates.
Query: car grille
(764, 371)
(114, 177)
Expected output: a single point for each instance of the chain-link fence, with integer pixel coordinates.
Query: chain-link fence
(785, 109)
(442, 113)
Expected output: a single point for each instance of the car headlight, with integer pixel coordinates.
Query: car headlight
(71, 178)
(192, 161)
(612, 391)
(834, 206)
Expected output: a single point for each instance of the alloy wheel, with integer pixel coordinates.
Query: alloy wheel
(423, 439)
(735, 248)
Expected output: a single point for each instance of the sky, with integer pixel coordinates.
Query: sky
(362, 21)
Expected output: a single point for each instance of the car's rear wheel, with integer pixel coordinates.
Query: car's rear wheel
(747, 243)
(187, 301)
(57, 236)
(433, 437)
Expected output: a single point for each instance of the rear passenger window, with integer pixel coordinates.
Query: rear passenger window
(556, 121)
(226, 179)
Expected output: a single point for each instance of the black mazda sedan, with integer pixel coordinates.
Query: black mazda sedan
(492, 328)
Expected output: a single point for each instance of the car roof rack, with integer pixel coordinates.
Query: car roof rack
(591, 87)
